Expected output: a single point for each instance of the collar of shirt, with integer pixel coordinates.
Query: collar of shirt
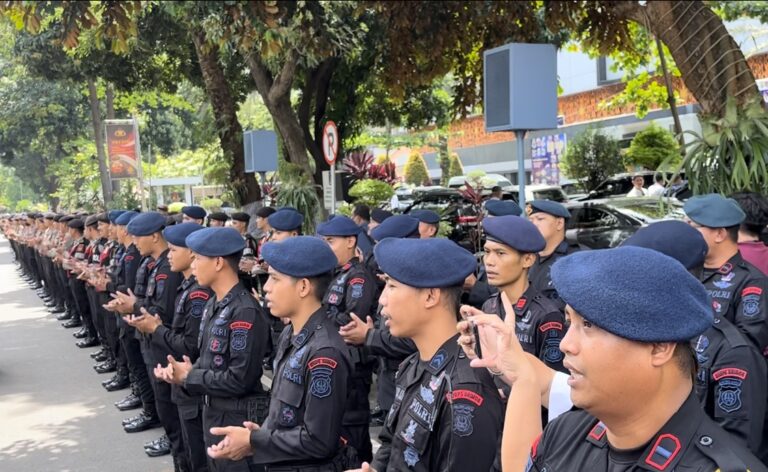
(665, 449)
(309, 328)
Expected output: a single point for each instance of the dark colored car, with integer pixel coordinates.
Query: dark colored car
(601, 224)
(620, 184)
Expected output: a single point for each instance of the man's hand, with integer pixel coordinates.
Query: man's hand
(247, 264)
(126, 301)
(179, 370)
(366, 467)
(356, 330)
(236, 444)
(255, 294)
(469, 282)
(146, 322)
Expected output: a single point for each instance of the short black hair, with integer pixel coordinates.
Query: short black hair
(233, 260)
(733, 233)
(658, 178)
(686, 359)
(755, 206)
(452, 298)
(363, 211)
(495, 189)
(264, 212)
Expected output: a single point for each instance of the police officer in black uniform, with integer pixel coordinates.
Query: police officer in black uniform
(240, 221)
(193, 214)
(632, 372)
(738, 289)
(77, 255)
(312, 370)
(732, 375)
(551, 219)
(511, 248)
(447, 416)
(180, 339)
(351, 294)
(232, 342)
(217, 219)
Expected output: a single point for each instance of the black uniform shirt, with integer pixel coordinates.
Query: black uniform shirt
(539, 272)
(540, 325)
(309, 394)
(232, 342)
(739, 294)
(690, 441)
(731, 382)
(351, 291)
(447, 416)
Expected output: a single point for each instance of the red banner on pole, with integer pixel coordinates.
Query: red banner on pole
(122, 149)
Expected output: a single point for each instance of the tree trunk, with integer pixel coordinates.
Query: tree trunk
(109, 101)
(230, 131)
(711, 64)
(93, 98)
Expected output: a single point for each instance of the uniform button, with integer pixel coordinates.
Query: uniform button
(717, 320)
(705, 441)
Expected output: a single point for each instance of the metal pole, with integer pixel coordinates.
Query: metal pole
(520, 138)
(333, 187)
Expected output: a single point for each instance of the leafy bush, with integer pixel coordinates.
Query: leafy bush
(298, 191)
(371, 192)
(211, 204)
(456, 167)
(653, 146)
(593, 157)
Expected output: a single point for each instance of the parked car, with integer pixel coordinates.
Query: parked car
(621, 184)
(453, 208)
(601, 224)
(537, 192)
(491, 179)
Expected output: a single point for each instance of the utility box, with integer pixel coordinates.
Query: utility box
(520, 87)
(260, 149)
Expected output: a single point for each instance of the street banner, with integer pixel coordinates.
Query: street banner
(546, 153)
(123, 149)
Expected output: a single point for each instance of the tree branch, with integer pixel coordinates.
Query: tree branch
(261, 76)
(284, 79)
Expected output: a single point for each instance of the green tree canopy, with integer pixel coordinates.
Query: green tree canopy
(592, 157)
(416, 172)
(652, 147)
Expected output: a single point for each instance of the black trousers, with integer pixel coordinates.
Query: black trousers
(168, 414)
(191, 417)
(213, 418)
(137, 368)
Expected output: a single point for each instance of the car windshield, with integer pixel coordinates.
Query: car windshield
(554, 194)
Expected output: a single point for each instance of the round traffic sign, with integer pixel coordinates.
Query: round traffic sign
(330, 142)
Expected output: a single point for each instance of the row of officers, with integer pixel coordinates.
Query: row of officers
(649, 356)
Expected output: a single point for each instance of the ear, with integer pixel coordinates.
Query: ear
(721, 235)
(528, 260)
(662, 353)
(432, 297)
(304, 288)
(219, 264)
(351, 242)
(560, 223)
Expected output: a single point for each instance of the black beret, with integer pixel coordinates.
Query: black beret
(397, 226)
(241, 216)
(425, 263)
(515, 232)
(378, 215)
(194, 211)
(76, 223)
(302, 256)
(102, 217)
(145, 224)
(264, 212)
(177, 234)
(92, 220)
(338, 225)
(714, 211)
(50, 216)
(676, 239)
(552, 208)
(216, 242)
(220, 216)
(66, 218)
(605, 288)
(286, 219)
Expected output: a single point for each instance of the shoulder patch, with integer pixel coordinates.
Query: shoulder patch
(241, 325)
(551, 325)
(752, 291)
(322, 361)
(321, 373)
(201, 294)
(159, 277)
(196, 310)
(733, 372)
(468, 395)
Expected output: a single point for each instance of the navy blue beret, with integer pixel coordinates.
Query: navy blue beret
(397, 226)
(515, 232)
(676, 239)
(66, 218)
(426, 216)
(126, 218)
(114, 214)
(612, 289)
(551, 208)
(177, 234)
(286, 219)
(302, 256)
(425, 263)
(339, 225)
(145, 224)
(194, 211)
(378, 215)
(714, 211)
(215, 242)
(364, 243)
(76, 223)
(503, 208)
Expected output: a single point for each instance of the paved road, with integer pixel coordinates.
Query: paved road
(54, 414)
